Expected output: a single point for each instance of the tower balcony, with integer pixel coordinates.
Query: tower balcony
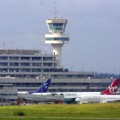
(56, 38)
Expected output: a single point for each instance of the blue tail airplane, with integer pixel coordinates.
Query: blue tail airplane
(43, 88)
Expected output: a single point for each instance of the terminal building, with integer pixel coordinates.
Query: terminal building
(27, 69)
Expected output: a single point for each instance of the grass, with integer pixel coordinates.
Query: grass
(61, 112)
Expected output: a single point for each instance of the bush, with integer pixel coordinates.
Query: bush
(19, 113)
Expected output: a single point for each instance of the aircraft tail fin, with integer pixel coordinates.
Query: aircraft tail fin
(111, 90)
(44, 87)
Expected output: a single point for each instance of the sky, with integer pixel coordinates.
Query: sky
(93, 27)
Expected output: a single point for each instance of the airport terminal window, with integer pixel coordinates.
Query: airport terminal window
(3, 58)
(3, 70)
(46, 70)
(47, 64)
(8, 94)
(13, 64)
(36, 58)
(94, 84)
(25, 58)
(13, 70)
(27, 84)
(25, 64)
(13, 58)
(25, 70)
(17, 84)
(105, 84)
(57, 70)
(47, 58)
(36, 70)
(64, 84)
(36, 64)
(85, 83)
(3, 64)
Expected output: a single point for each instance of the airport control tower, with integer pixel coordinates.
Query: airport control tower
(57, 37)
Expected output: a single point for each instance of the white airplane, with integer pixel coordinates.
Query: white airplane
(40, 95)
(71, 97)
(97, 98)
(109, 95)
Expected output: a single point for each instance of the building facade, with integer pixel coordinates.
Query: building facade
(27, 69)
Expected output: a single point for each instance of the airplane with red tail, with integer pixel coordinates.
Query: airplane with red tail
(108, 95)
(71, 97)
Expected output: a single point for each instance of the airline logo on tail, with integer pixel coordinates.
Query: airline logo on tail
(112, 88)
(44, 87)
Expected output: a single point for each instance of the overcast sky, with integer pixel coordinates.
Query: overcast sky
(93, 26)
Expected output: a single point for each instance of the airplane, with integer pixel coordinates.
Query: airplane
(108, 95)
(40, 95)
(97, 98)
(43, 97)
(42, 89)
(71, 97)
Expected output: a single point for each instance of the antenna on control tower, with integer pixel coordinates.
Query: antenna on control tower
(55, 11)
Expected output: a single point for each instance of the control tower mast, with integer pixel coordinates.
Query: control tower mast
(57, 37)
